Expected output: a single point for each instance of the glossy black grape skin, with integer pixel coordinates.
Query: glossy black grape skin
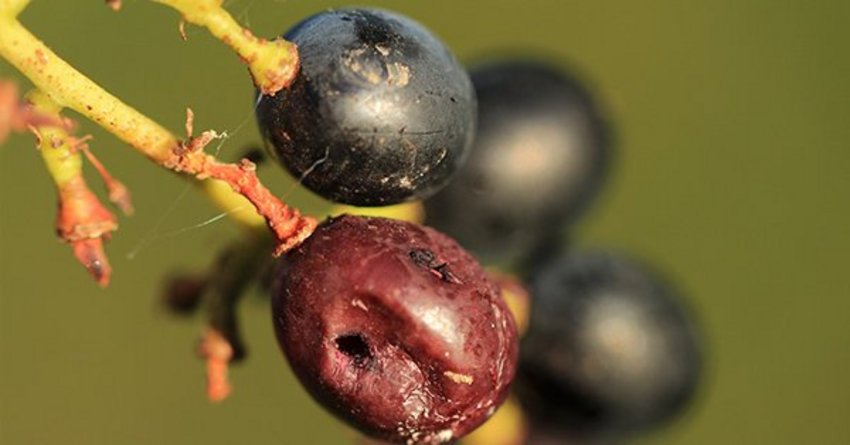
(380, 112)
(541, 151)
(610, 349)
(395, 328)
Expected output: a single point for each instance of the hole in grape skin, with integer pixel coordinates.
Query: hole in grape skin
(355, 347)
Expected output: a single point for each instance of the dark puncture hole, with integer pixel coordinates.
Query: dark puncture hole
(354, 346)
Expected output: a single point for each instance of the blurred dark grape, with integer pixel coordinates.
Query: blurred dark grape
(610, 348)
(541, 152)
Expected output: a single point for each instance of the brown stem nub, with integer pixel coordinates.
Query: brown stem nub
(117, 192)
(237, 267)
(89, 252)
(217, 352)
(83, 222)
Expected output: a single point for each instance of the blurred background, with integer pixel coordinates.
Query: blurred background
(733, 175)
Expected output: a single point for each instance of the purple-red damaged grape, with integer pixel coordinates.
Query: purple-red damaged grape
(395, 328)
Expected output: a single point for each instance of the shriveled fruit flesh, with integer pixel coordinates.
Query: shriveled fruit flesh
(394, 328)
(380, 112)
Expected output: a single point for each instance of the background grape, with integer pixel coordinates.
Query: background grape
(541, 152)
(732, 176)
(611, 348)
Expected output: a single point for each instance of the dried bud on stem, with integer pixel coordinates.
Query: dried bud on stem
(70, 88)
(81, 221)
(217, 352)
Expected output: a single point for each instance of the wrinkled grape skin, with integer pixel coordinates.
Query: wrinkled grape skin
(380, 112)
(394, 328)
(611, 347)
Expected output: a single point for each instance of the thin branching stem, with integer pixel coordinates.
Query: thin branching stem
(67, 87)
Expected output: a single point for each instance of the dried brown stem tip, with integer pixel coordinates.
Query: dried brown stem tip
(117, 192)
(217, 351)
(84, 223)
(89, 252)
(81, 221)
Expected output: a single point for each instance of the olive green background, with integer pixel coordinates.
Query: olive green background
(733, 174)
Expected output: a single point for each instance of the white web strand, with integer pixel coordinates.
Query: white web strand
(306, 173)
(146, 242)
(154, 235)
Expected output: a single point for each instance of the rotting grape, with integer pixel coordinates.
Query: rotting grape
(541, 151)
(380, 112)
(394, 328)
(610, 348)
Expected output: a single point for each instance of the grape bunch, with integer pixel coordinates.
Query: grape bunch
(395, 327)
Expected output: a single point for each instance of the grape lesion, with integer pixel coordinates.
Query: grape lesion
(427, 259)
(355, 346)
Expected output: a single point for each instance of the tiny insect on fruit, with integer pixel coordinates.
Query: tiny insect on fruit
(380, 112)
(541, 151)
(610, 349)
(394, 328)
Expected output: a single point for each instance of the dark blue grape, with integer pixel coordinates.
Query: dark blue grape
(379, 113)
(610, 348)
